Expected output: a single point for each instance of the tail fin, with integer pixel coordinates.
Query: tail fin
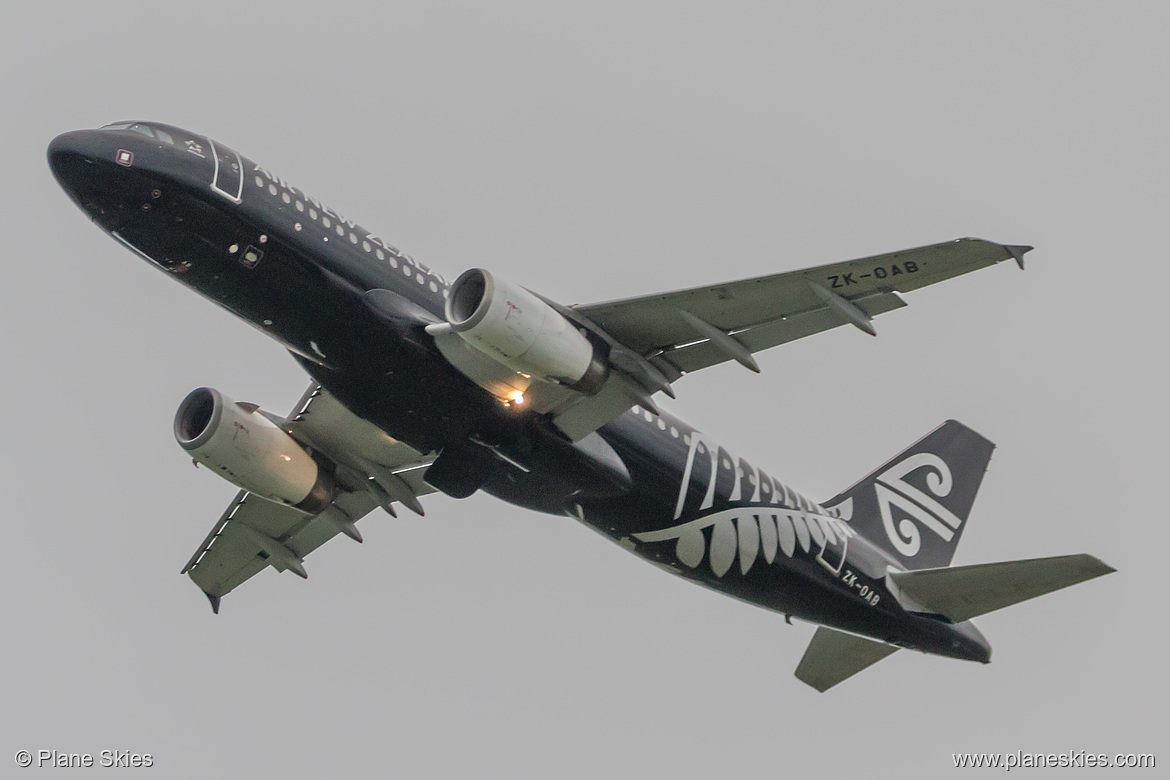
(965, 592)
(915, 506)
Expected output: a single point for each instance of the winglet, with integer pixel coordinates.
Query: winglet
(1018, 251)
(214, 602)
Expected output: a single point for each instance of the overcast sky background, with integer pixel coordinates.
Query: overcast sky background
(590, 152)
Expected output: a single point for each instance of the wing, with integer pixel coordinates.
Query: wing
(655, 339)
(254, 533)
(771, 310)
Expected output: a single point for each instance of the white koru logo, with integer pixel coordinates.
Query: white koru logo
(893, 491)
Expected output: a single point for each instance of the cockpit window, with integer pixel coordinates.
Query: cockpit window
(150, 131)
(137, 127)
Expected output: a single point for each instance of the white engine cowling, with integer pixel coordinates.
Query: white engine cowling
(240, 444)
(517, 328)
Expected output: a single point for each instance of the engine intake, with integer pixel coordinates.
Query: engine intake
(240, 444)
(517, 328)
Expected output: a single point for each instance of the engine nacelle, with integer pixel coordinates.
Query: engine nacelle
(240, 444)
(518, 329)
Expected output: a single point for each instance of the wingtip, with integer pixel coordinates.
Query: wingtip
(1018, 251)
(214, 602)
(819, 687)
(1102, 567)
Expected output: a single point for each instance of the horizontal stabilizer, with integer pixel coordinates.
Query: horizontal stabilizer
(963, 592)
(833, 656)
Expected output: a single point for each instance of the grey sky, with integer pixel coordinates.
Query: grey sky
(594, 151)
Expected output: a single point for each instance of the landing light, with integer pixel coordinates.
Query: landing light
(515, 398)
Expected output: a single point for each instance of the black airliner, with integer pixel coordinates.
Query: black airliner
(419, 385)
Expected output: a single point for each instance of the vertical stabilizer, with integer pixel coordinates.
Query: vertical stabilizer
(916, 505)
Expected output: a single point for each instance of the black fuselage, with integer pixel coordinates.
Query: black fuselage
(302, 274)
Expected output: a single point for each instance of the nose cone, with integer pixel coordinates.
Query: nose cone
(74, 159)
(100, 173)
(70, 149)
(73, 142)
(64, 150)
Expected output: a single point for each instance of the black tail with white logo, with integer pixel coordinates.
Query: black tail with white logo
(916, 505)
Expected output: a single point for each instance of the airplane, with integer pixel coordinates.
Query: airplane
(421, 385)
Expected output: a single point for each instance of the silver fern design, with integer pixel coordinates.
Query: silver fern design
(752, 531)
(777, 519)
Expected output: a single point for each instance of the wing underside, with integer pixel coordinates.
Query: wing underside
(373, 470)
(655, 339)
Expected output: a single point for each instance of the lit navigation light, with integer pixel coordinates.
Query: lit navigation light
(517, 398)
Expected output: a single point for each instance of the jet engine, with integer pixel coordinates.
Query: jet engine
(517, 328)
(243, 446)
